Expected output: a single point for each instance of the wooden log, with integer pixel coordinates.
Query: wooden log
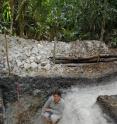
(93, 59)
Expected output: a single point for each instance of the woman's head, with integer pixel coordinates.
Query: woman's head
(56, 95)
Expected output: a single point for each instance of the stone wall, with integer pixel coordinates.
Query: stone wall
(30, 57)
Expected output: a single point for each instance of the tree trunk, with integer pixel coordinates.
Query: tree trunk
(20, 16)
(103, 21)
(102, 30)
(1, 5)
(21, 24)
(11, 2)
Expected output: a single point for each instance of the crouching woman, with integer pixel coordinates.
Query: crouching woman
(52, 111)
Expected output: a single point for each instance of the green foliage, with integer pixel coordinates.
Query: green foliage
(6, 12)
(67, 20)
(114, 41)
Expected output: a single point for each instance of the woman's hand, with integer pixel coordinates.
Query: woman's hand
(47, 109)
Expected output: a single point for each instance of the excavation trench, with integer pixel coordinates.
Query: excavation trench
(38, 89)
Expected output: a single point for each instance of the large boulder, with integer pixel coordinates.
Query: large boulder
(109, 105)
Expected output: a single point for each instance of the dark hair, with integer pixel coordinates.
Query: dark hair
(56, 92)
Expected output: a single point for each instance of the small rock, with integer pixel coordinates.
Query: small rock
(36, 92)
(34, 65)
(19, 63)
(32, 59)
(26, 65)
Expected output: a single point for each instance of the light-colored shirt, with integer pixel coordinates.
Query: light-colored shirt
(56, 108)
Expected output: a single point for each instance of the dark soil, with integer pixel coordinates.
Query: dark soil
(26, 85)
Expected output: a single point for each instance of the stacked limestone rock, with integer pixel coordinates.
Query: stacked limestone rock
(31, 57)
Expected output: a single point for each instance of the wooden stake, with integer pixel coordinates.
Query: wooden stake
(7, 57)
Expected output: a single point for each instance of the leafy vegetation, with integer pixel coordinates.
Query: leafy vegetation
(64, 19)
